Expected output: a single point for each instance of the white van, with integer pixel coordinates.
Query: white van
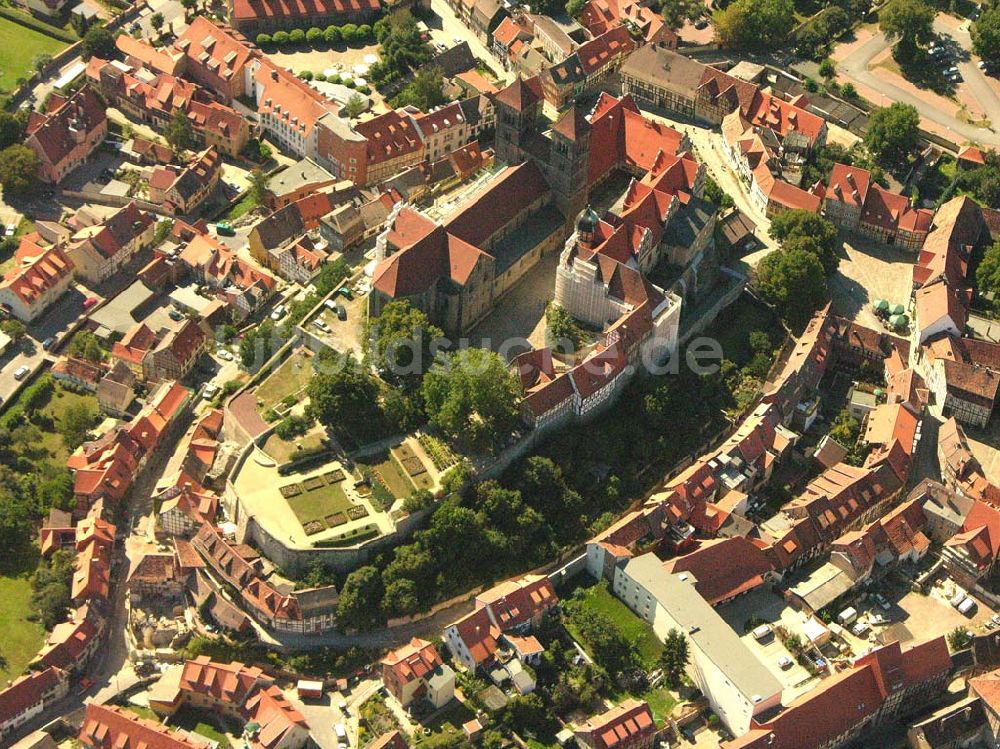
(958, 599)
(762, 632)
(341, 730)
(847, 616)
(965, 607)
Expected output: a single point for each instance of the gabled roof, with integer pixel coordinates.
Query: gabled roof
(723, 568)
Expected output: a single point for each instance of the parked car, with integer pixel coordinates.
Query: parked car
(701, 23)
(345, 292)
(882, 602)
(784, 662)
(225, 229)
(860, 629)
(224, 354)
(90, 301)
(48, 343)
(958, 599)
(341, 312)
(21, 372)
(209, 392)
(175, 315)
(278, 312)
(762, 632)
(967, 606)
(321, 325)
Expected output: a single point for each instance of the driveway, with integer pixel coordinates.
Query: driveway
(854, 67)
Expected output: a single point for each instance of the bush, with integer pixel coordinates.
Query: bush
(365, 33)
(306, 75)
(263, 40)
(314, 35)
(332, 35)
(363, 89)
(296, 36)
(280, 38)
(319, 77)
(848, 91)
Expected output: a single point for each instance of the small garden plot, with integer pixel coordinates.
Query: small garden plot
(317, 502)
(440, 454)
(388, 480)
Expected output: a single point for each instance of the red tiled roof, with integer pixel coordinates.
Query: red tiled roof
(723, 568)
(113, 727)
(258, 10)
(412, 661)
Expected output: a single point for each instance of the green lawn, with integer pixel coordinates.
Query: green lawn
(445, 728)
(19, 45)
(599, 598)
(284, 450)
(288, 379)
(661, 702)
(320, 503)
(246, 204)
(56, 408)
(21, 638)
(192, 720)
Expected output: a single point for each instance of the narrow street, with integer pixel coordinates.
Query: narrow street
(451, 28)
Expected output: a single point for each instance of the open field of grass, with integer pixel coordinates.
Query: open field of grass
(202, 724)
(19, 46)
(56, 408)
(284, 450)
(445, 728)
(21, 638)
(598, 598)
(661, 702)
(288, 379)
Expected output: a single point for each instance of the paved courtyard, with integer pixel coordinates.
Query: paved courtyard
(868, 272)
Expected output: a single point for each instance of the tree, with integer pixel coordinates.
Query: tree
(332, 35)
(715, 194)
(893, 133)
(845, 429)
(827, 69)
(848, 91)
(805, 230)
(156, 21)
(296, 36)
(18, 169)
(676, 12)
(280, 38)
(958, 639)
(755, 24)
(425, 91)
(86, 346)
(988, 272)
(562, 328)
(674, 658)
(331, 275)
(99, 42)
(12, 126)
(77, 421)
(344, 401)
(355, 106)
(40, 62)
(314, 36)
(911, 22)
(178, 132)
(605, 642)
(258, 188)
(986, 35)
(360, 601)
(263, 40)
(473, 397)
(13, 328)
(573, 8)
(399, 341)
(794, 281)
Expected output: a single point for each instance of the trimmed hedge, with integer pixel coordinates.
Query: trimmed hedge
(41, 27)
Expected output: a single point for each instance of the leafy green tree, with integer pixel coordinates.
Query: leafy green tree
(345, 401)
(893, 133)
(18, 170)
(754, 24)
(263, 40)
(715, 194)
(562, 328)
(848, 91)
(605, 642)
(910, 22)
(800, 229)
(296, 36)
(13, 328)
(331, 35)
(827, 69)
(986, 34)
(958, 639)
(12, 126)
(794, 281)
(99, 42)
(86, 346)
(675, 657)
(355, 106)
(179, 132)
(280, 38)
(988, 272)
(314, 36)
(676, 12)
(77, 421)
(156, 21)
(360, 604)
(425, 91)
(259, 182)
(845, 429)
(574, 8)
(474, 397)
(399, 341)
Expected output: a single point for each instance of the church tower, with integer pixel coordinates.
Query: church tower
(569, 160)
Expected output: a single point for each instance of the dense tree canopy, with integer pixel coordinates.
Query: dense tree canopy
(893, 133)
(911, 22)
(473, 398)
(794, 281)
(345, 400)
(18, 170)
(755, 24)
(399, 340)
(99, 42)
(986, 35)
(805, 230)
(988, 272)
